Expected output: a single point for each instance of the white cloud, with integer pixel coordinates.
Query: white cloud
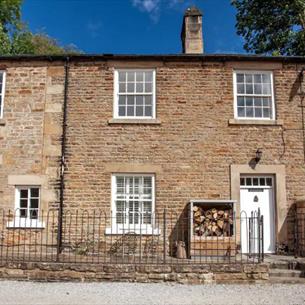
(147, 5)
(94, 28)
(152, 7)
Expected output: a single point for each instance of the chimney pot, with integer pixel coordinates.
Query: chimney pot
(191, 34)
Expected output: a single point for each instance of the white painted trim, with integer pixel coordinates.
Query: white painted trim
(116, 95)
(145, 231)
(236, 117)
(212, 201)
(3, 93)
(19, 222)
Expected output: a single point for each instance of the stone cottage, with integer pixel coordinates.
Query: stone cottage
(136, 134)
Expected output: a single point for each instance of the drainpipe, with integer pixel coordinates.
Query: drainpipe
(62, 163)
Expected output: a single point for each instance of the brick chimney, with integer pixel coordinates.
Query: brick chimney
(191, 34)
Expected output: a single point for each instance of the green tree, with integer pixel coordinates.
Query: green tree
(272, 26)
(16, 38)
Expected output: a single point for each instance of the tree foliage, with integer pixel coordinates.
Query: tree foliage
(272, 26)
(16, 38)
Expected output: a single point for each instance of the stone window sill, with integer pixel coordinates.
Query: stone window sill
(2, 122)
(135, 121)
(137, 231)
(23, 223)
(256, 122)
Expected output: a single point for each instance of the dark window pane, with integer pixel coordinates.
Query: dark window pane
(122, 111)
(249, 78)
(148, 76)
(240, 88)
(139, 100)
(148, 100)
(257, 101)
(266, 113)
(257, 89)
(240, 78)
(130, 110)
(23, 193)
(122, 99)
(257, 78)
(139, 87)
(258, 112)
(262, 181)
(130, 87)
(33, 214)
(148, 111)
(266, 89)
(139, 111)
(248, 181)
(249, 89)
(139, 76)
(249, 101)
(249, 112)
(269, 181)
(23, 203)
(266, 78)
(242, 181)
(255, 181)
(34, 203)
(241, 112)
(130, 76)
(148, 87)
(130, 100)
(122, 87)
(122, 76)
(35, 192)
(240, 101)
(266, 101)
(23, 213)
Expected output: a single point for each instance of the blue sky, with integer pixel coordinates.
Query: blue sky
(131, 26)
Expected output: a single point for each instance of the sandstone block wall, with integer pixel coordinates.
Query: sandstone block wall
(31, 130)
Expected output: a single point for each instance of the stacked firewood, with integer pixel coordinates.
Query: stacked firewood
(212, 222)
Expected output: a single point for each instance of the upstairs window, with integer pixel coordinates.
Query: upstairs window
(254, 98)
(135, 94)
(2, 85)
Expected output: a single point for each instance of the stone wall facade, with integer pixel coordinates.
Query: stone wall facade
(191, 147)
(192, 144)
(31, 130)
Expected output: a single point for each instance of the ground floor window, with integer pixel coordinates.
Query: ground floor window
(132, 200)
(27, 205)
(27, 202)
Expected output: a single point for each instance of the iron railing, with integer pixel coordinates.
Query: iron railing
(299, 234)
(95, 236)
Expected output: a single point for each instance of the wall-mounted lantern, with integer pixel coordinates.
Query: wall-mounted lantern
(258, 155)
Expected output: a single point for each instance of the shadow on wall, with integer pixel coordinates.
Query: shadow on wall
(179, 233)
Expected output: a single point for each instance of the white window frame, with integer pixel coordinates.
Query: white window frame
(235, 72)
(25, 222)
(2, 92)
(143, 229)
(116, 95)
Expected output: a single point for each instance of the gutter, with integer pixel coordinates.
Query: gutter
(159, 57)
(62, 161)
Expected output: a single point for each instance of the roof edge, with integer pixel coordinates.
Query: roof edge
(158, 57)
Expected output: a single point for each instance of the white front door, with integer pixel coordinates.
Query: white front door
(257, 192)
